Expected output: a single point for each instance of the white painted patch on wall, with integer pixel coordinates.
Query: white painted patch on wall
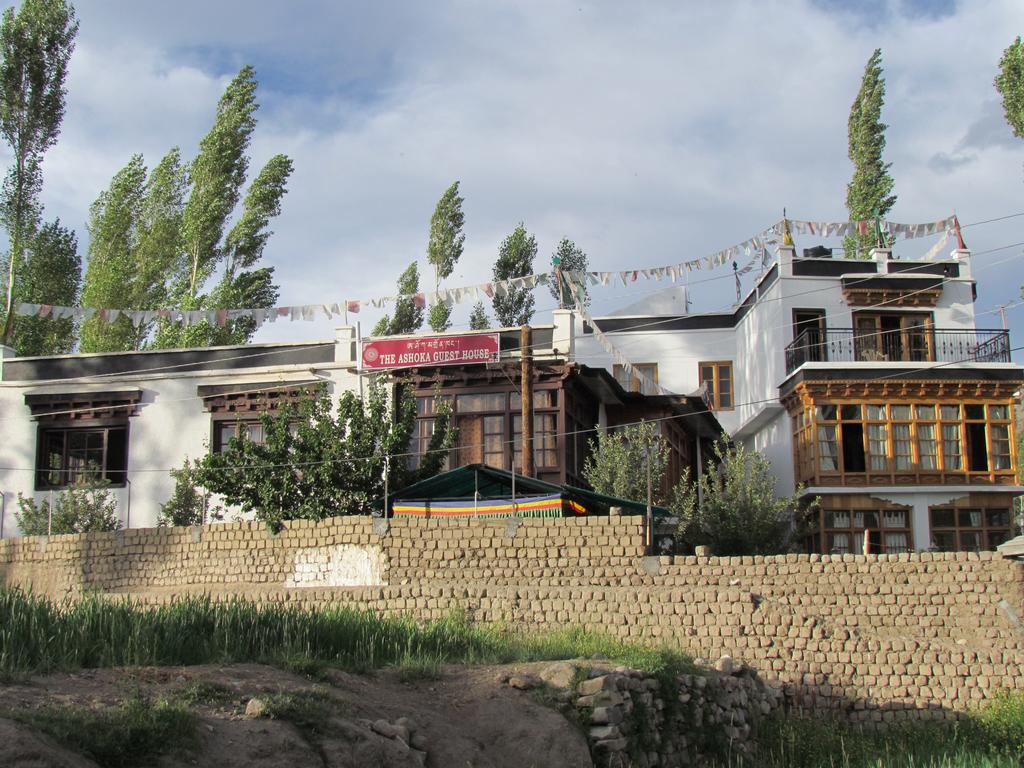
(343, 565)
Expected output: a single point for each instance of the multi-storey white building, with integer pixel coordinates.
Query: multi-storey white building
(865, 381)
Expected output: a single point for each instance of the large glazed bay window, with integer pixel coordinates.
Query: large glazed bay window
(69, 456)
(879, 442)
(969, 529)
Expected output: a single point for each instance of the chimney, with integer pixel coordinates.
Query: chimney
(345, 345)
(563, 341)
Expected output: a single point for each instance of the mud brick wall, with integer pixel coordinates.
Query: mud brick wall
(872, 637)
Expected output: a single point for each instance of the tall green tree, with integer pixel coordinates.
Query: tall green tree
(113, 222)
(216, 178)
(52, 276)
(617, 464)
(408, 316)
(478, 320)
(568, 258)
(317, 461)
(870, 190)
(444, 249)
(1010, 84)
(515, 259)
(35, 46)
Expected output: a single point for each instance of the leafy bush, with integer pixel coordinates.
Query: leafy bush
(189, 504)
(617, 464)
(738, 513)
(315, 461)
(79, 509)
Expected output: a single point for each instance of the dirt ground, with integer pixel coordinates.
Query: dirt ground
(465, 718)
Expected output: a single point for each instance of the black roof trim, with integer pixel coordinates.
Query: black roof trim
(941, 268)
(167, 361)
(832, 267)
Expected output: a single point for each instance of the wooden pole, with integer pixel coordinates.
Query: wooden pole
(526, 396)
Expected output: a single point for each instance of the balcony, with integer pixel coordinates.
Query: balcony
(918, 344)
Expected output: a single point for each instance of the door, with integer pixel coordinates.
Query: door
(809, 330)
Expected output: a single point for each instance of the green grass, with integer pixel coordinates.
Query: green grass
(310, 711)
(992, 737)
(37, 635)
(204, 692)
(128, 735)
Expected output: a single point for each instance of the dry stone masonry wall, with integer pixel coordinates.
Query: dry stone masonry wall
(870, 637)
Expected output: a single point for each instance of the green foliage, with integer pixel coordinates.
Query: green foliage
(316, 463)
(569, 257)
(515, 259)
(35, 46)
(189, 504)
(444, 248)
(134, 240)
(870, 190)
(738, 513)
(1010, 84)
(79, 509)
(52, 276)
(37, 635)
(478, 320)
(986, 738)
(216, 177)
(418, 668)
(617, 464)
(408, 306)
(131, 734)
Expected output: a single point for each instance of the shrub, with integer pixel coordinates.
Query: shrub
(617, 464)
(738, 513)
(79, 509)
(189, 504)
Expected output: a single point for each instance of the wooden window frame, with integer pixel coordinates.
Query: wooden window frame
(808, 454)
(635, 382)
(717, 366)
(874, 346)
(881, 530)
(114, 478)
(984, 531)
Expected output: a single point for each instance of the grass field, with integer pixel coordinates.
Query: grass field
(39, 636)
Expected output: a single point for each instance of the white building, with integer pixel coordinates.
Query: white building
(867, 381)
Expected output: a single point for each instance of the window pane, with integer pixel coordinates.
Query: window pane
(926, 448)
(925, 411)
(970, 541)
(998, 412)
(828, 448)
(951, 458)
(866, 519)
(837, 519)
(850, 412)
(944, 541)
(838, 543)
(969, 518)
(494, 401)
(877, 446)
(950, 412)
(999, 439)
(876, 412)
(997, 518)
(826, 413)
(894, 543)
(901, 446)
(900, 412)
(975, 411)
(894, 518)
(995, 538)
(943, 518)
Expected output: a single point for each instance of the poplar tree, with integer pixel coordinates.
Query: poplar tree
(134, 239)
(444, 249)
(568, 257)
(216, 177)
(870, 191)
(52, 276)
(515, 259)
(478, 320)
(408, 306)
(35, 46)
(1010, 84)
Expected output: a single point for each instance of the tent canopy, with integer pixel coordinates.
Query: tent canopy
(485, 482)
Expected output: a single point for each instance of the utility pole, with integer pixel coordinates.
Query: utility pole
(650, 509)
(526, 397)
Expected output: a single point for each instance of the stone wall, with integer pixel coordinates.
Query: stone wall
(871, 637)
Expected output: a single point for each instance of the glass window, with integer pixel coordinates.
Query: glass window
(494, 441)
(877, 447)
(542, 398)
(999, 412)
(927, 449)
(717, 379)
(82, 455)
(925, 411)
(887, 531)
(951, 412)
(492, 401)
(999, 445)
(969, 530)
(826, 413)
(951, 453)
(828, 448)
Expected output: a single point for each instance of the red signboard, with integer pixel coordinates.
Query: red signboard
(430, 350)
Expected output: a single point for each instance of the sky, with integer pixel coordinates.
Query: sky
(649, 133)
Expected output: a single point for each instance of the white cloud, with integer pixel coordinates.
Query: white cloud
(648, 133)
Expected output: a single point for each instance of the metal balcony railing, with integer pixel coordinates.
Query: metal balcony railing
(906, 345)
